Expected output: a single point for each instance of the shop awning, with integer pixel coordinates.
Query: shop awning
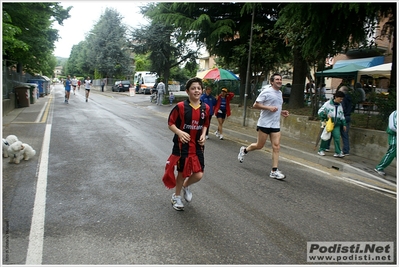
(364, 62)
(347, 71)
(379, 71)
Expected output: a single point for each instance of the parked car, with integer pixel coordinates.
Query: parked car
(121, 86)
(114, 87)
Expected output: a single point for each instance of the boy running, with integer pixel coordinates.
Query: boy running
(188, 120)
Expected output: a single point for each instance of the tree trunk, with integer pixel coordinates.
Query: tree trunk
(298, 81)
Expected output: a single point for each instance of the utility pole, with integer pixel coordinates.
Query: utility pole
(248, 68)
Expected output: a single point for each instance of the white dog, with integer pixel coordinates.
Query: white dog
(15, 151)
(11, 139)
(28, 152)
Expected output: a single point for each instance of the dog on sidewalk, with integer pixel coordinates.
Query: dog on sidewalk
(9, 140)
(28, 152)
(15, 152)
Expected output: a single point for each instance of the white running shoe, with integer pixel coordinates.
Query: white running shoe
(340, 155)
(206, 137)
(241, 154)
(277, 175)
(188, 196)
(217, 134)
(177, 204)
(380, 172)
(221, 136)
(321, 153)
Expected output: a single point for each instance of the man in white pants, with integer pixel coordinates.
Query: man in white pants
(161, 92)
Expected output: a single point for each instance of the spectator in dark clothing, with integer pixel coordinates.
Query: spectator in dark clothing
(347, 107)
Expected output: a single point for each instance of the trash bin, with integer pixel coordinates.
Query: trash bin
(22, 96)
(43, 83)
(46, 84)
(40, 84)
(33, 89)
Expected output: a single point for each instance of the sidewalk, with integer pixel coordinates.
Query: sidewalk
(359, 169)
(353, 166)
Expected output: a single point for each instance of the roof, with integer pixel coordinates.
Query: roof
(364, 62)
(349, 70)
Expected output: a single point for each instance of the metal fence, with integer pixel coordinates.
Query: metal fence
(11, 78)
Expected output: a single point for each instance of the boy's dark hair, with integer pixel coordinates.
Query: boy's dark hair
(193, 80)
(339, 94)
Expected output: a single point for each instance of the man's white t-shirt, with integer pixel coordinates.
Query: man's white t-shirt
(87, 84)
(270, 97)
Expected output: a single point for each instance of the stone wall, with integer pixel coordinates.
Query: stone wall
(9, 104)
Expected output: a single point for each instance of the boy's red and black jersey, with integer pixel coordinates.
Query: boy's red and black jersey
(191, 121)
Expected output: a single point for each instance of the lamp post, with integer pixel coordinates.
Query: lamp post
(248, 68)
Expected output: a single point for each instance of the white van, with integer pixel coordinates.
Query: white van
(146, 81)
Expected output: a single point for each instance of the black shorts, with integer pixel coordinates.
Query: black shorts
(221, 115)
(268, 130)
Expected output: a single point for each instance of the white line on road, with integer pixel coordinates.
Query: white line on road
(35, 247)
(41, 113)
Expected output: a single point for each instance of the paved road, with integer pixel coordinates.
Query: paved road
(93, 195)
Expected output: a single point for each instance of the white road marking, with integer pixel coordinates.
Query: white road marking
(35, 247)
(41, 113)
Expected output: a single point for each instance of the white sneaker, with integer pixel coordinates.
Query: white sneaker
(188, 196)
(340, 155)
(321, 153)
(221, 136)
(177, 204)
(241, 154)
(206, 137)
(380, 172)
(217, 134)
(327, 150)
(277, 175)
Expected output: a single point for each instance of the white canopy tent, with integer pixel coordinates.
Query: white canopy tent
(383, 70)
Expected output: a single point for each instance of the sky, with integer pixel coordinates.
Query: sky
(85, 14)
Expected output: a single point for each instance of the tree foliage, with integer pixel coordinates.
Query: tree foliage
(109, 46)
(28, 36)
(224, 29)
(162, 42)
(316, 31)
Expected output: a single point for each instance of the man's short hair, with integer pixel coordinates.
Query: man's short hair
(274, 75)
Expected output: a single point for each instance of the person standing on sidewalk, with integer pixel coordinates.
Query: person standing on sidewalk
(68, 84)
(347, 107)
(333, 109)
(103, 84)
(188, 120)
(391, 153)
(270, 102)
(161, 92)
(222, 110)
(209, 99)
(88, 84)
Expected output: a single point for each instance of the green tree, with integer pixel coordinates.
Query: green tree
(30, 38)
(109, 46)
(163, 43)
(316, 31)
(224, 28)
